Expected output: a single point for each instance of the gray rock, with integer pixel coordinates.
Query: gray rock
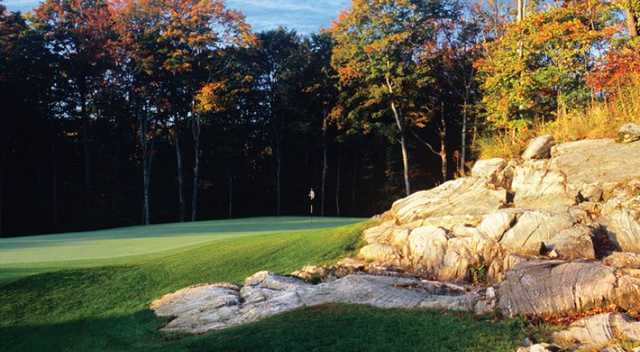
(488, 168)
(379, 233)
(592, 193)
(573, 243)
(537, 185)
(625, 230)
(427, 247)
(193, 311)
(446, 221)
(629, 133)
(379, 253)
(623, 260)
(596, 161)
(496, 224)
(539, 148)
(558, 287)
(598, 331)
(533, 229)
(469, 196)
(540, 347)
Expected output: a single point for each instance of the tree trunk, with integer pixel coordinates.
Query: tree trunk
(405, 164)
(178, 148)
(403, 142)
(116, 184)
(463, 154)
(147, 160)
(195, 129)
(230, 191)
(324, 166)
(3, 171)
(519, 10)
(54, 184)
(354, 183)
(84, 131)
(278, 160)
(443, 144)
(338, 184)
(631, 19)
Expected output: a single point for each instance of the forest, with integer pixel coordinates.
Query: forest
(129, 112)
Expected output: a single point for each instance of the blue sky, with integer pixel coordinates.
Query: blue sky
(305, 16)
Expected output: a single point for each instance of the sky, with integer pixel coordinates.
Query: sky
(305, 16)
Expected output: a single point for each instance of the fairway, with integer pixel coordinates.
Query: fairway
(102, 304)
(32, 254)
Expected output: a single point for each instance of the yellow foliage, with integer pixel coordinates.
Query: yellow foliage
(601, 120)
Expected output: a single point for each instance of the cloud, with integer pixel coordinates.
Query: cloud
(305, 16)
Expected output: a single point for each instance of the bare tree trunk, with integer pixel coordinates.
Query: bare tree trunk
(54, 184)
(354, 183)
(278, 185)
(631, 19)
(3, 171)
(463, 154)
(86, 153)
(181, 205)
(338, 184)
(403, 142)
(324, 166)
(521, 8)
(195, 129)
(443, 144)
(405, 164)
(146, 167)
(230, 191)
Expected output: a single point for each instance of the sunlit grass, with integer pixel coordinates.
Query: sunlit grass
(105, 308)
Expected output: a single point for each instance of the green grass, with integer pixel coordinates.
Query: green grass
(81, 304)
(20, 256)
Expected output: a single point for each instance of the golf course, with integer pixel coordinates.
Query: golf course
(90, 291)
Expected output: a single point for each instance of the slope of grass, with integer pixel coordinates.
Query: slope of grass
(20, 256)
(105, 308)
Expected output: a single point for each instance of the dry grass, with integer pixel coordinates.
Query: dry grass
(601, 120)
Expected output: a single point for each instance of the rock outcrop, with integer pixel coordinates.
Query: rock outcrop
(629, 133)
(554, 233)
(539, 148)
(555, 288)
(213, 307)
(598, 332)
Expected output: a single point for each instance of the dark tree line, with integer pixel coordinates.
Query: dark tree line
(148, 111)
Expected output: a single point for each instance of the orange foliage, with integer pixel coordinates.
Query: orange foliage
(619, 68)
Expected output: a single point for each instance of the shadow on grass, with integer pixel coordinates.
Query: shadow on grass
(322, 328)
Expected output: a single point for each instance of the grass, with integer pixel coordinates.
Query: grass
(20, 256)
(102, 304)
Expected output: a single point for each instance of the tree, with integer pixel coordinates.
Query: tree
(631, 10)
(193, 36)
(137, 54)
(322, 89)
(27, 73)
(281, 61)
(538, 66)
(79, 32)
(376, 46)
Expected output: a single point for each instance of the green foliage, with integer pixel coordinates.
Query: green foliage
(377, 57)
(478, 274)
